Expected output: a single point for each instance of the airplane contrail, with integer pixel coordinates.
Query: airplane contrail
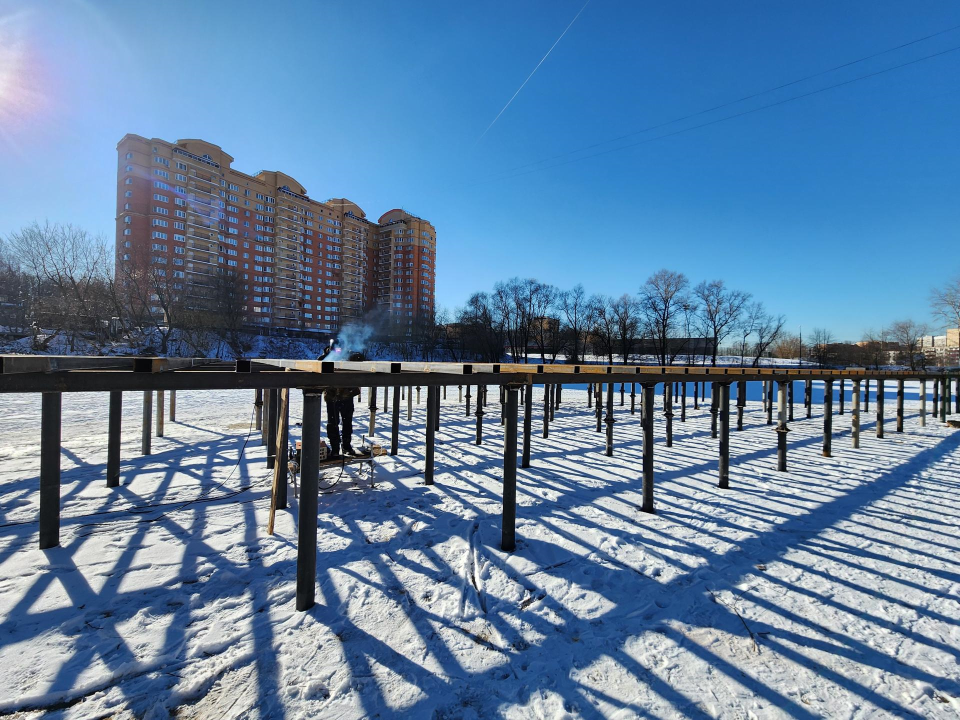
(532, 73)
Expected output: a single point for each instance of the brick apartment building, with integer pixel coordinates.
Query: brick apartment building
(303, 265)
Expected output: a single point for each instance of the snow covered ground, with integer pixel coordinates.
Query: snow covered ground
(830, 590)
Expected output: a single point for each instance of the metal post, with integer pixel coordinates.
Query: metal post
(418, 394)
(480, 414)
(880, 384)
(946, 385)
(599, 403)
(546, 411)
(273, 410)
(866, 395)
(609, 419)
(264, 440)
(724, 464)
(460, 394)
(468, 401)
(558, 391)
(923, 403)
(372, 394)
(633, 398)
(503, 404)
(945, 399)
(790, 400)
(589, 395)
(782, 428)
(668, 411)
(444, 392)
(741, 402)
(527, 421)
(508, 530)
(769, 384)
(409, 404)
(936, 397)
(855, 414)
(827, 417)
(431, 436)
(647, 421)
(683, 402)
(841, 396)
(622, 394)
(713, 410)
(114, 422)
(309, 489)
(808, 397)
(258, 409)
(436, 410)
(899, 406)
(956, 394)
(159, 413)
(696, 395)
(50, 411)
(553, 400)
(395, 423)
(173, 406)
(147, 420)
(386, 399)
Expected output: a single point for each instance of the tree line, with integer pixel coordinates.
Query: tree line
(58, 280)
(667, 317)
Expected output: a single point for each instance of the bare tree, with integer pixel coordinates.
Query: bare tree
(787, 347)
(820, 344)
(70, 273)
(945, 302)
(767, 329)
(578, 313)
(604, 329)
(544, 323)
(626, 317)
(513, 304)
(719, 310)
(482, 335)
(908, 335)
(14, 292)
(664, 303)
(229, 313)
(154, 295)
(873, 346)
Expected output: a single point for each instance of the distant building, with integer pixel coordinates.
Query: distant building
(942, 350)
(305, 265)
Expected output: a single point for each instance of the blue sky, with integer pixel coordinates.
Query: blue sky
(838, 210)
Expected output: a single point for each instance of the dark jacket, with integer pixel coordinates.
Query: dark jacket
(332, 395)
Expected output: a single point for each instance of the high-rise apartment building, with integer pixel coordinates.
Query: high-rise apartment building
(302, 264)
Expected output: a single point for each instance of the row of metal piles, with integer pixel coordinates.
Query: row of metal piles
(510, 399)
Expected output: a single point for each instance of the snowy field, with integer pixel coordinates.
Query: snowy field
(830, 590)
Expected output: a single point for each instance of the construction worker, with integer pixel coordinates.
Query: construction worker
(340, 408)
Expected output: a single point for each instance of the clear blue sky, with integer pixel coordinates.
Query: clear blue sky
(839, 210)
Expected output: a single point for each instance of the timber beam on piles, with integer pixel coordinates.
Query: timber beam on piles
(158, 375)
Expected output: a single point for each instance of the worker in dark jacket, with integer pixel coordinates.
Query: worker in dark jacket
(340, 408)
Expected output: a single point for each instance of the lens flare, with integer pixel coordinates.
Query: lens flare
(21, 95)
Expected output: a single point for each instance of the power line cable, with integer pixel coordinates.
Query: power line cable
(734, 102)
(728, 117)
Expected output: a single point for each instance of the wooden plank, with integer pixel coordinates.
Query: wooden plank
(284, 415)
